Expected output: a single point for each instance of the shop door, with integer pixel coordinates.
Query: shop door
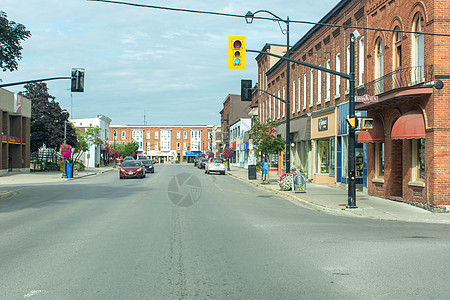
(10, 166)
(395, 182)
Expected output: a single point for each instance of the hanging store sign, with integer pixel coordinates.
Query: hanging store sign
(323, 124)
(366, 99)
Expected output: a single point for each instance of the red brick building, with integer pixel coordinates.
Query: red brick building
(405, 157)
(15, 118)
(168, 143)
(408, 152)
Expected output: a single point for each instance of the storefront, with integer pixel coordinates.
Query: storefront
(301, 145)
(162, 156)
(189, 156)
(15, 116)
(323, 136)
(342, 150)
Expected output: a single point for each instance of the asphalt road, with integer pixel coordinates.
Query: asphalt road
(182, 234)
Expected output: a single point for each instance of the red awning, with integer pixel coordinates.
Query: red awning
(409, 126)
(234, 144)
(376, 134)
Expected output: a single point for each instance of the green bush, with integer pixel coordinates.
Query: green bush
(78, 166)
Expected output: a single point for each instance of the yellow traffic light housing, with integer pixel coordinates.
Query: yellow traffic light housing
(367, 123)
(353, 122)
(236, 52)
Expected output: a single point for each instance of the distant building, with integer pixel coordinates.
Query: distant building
(233, 109)
(15, 120)
(96, 156)
(172, 143)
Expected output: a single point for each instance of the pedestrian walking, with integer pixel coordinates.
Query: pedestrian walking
(265, 170)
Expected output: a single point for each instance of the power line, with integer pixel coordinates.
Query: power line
(260, 18)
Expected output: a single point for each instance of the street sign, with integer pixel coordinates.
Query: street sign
(366, 99)
(299, 182)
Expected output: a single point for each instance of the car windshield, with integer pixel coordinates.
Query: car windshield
(217, 160)
(146, 161)
(131, 163)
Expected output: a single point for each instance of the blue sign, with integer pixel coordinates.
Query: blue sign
(188, 153)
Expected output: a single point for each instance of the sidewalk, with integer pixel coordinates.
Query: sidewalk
(334, 200)
(47, 177)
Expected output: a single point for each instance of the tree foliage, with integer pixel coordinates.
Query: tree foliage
(265, 139)
(11, 34)
(127, 149)
(47, 119)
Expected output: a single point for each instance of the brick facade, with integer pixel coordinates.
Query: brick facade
(152, 136)
(399, 68)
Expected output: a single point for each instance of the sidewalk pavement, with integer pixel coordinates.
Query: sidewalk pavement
(334, 200)
(48, 177)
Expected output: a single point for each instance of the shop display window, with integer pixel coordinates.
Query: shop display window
(379, 160)
(322, 155)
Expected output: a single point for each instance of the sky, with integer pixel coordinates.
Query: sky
(147, 66)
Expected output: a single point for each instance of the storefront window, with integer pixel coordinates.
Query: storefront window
(332, 160)
(379, 160)
(359, 160)
(418, 159)
(344, 156)
(322, 154)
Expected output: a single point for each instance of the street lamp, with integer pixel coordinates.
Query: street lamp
(65, 114)
(249, 19)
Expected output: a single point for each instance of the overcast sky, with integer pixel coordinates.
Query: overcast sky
(170, 66)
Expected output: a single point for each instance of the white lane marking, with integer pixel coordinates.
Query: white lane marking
(33, 293)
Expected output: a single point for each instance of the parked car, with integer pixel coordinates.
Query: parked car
(148, 165)
(132, 169)
(128, 158)
(215, 165)
(201, 162)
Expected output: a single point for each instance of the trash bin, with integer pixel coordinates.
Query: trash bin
(252, 172)
(69, 170)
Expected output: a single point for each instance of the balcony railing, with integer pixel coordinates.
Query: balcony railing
(401, 78)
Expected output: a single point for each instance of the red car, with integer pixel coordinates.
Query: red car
(132, 169)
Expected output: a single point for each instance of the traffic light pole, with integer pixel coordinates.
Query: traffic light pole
(31, 81)
(351, 131)
(288, 97)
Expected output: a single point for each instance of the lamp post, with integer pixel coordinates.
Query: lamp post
(115, 158)
(65, 113)
(249, 19)
(351, 131)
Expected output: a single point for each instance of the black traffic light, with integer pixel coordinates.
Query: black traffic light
(77, 80)
(246, 90)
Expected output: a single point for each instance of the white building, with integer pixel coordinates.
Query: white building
(237, 131)
(93, 157)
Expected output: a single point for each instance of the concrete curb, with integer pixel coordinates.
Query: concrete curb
(315, 206)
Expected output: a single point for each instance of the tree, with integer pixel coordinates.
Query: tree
(47, 119)
(265, 139)
(11, 34)
(127, 149)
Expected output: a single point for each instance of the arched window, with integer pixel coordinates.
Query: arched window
(397, 39)
(418, 49)
(397, 58)
(379, 66)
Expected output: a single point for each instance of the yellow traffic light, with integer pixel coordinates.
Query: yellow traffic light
(158, 145)
(236, 52)
(353, 122)
(367, 123)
